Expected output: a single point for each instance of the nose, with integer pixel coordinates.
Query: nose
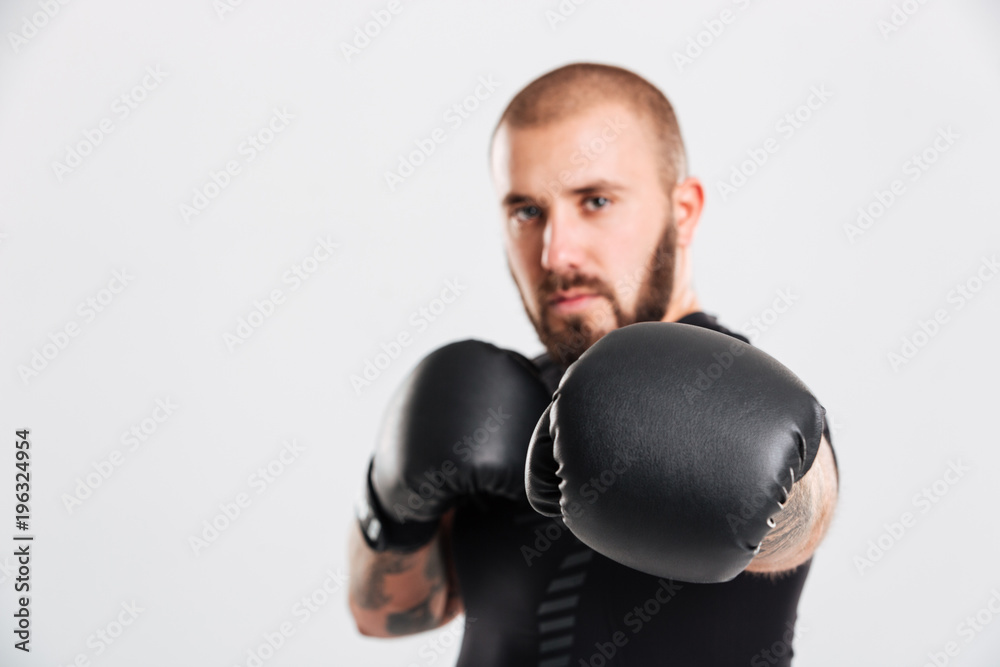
(564, 244)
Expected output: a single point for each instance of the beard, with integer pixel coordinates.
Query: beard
(567, 338)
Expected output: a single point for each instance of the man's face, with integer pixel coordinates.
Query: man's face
(589, 231)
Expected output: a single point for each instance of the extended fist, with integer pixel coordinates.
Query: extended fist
(669, 448)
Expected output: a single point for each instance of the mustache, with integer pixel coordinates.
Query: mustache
(556, 282)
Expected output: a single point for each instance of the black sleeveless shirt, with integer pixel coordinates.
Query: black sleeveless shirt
(536, 596)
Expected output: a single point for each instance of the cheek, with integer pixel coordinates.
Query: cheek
(524, 255)
(629, 273)
(525, 267)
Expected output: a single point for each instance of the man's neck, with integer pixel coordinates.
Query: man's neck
(680, 307)
(683, 300)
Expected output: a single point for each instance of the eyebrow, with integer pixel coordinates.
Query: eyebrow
(600, 185)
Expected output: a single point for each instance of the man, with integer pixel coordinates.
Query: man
(599, 217)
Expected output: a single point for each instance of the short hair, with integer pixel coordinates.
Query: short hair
(578, 87)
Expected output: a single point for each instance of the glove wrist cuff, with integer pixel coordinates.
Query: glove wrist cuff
(383, 532)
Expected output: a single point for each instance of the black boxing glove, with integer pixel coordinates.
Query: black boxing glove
(669, 447)
(459, 425)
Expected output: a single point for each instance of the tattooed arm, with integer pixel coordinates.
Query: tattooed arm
(393, 594)
(804, 520)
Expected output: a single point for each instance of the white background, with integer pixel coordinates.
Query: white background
(896, 430)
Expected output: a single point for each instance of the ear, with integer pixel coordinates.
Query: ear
(688, 198)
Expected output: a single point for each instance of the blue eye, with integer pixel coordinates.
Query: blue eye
(527, 213)
(595, 203)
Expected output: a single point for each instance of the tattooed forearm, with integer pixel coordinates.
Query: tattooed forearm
(394, 594)
(370, 592)
(801, 525)
(416, 619)
(421, 616)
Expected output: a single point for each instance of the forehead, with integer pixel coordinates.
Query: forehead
(605, 141)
